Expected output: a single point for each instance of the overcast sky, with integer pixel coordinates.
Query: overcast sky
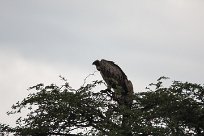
(42, 39)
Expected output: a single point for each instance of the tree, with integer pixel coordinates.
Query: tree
(61, 110)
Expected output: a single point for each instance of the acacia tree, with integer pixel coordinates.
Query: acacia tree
(62, 110)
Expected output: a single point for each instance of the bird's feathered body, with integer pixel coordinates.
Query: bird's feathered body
(114, 77)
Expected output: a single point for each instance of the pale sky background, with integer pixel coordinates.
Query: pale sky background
(42, 39)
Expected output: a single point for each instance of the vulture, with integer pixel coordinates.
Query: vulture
(114, 77)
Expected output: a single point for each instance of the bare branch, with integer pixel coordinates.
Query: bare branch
(87, 77)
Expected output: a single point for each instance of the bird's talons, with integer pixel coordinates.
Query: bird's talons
(106, 91)
(103, 91)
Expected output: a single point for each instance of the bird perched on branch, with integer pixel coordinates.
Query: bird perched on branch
(115, 78)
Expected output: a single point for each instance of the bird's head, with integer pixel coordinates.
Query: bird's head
(97, 64)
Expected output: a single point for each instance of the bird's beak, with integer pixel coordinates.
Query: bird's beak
(94, 63)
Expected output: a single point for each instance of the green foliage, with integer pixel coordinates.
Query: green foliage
(175, 110)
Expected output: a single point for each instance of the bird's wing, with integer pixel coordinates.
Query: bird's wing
(129, 86)
(112, 70)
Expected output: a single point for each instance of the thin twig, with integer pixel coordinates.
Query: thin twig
(88, 76)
